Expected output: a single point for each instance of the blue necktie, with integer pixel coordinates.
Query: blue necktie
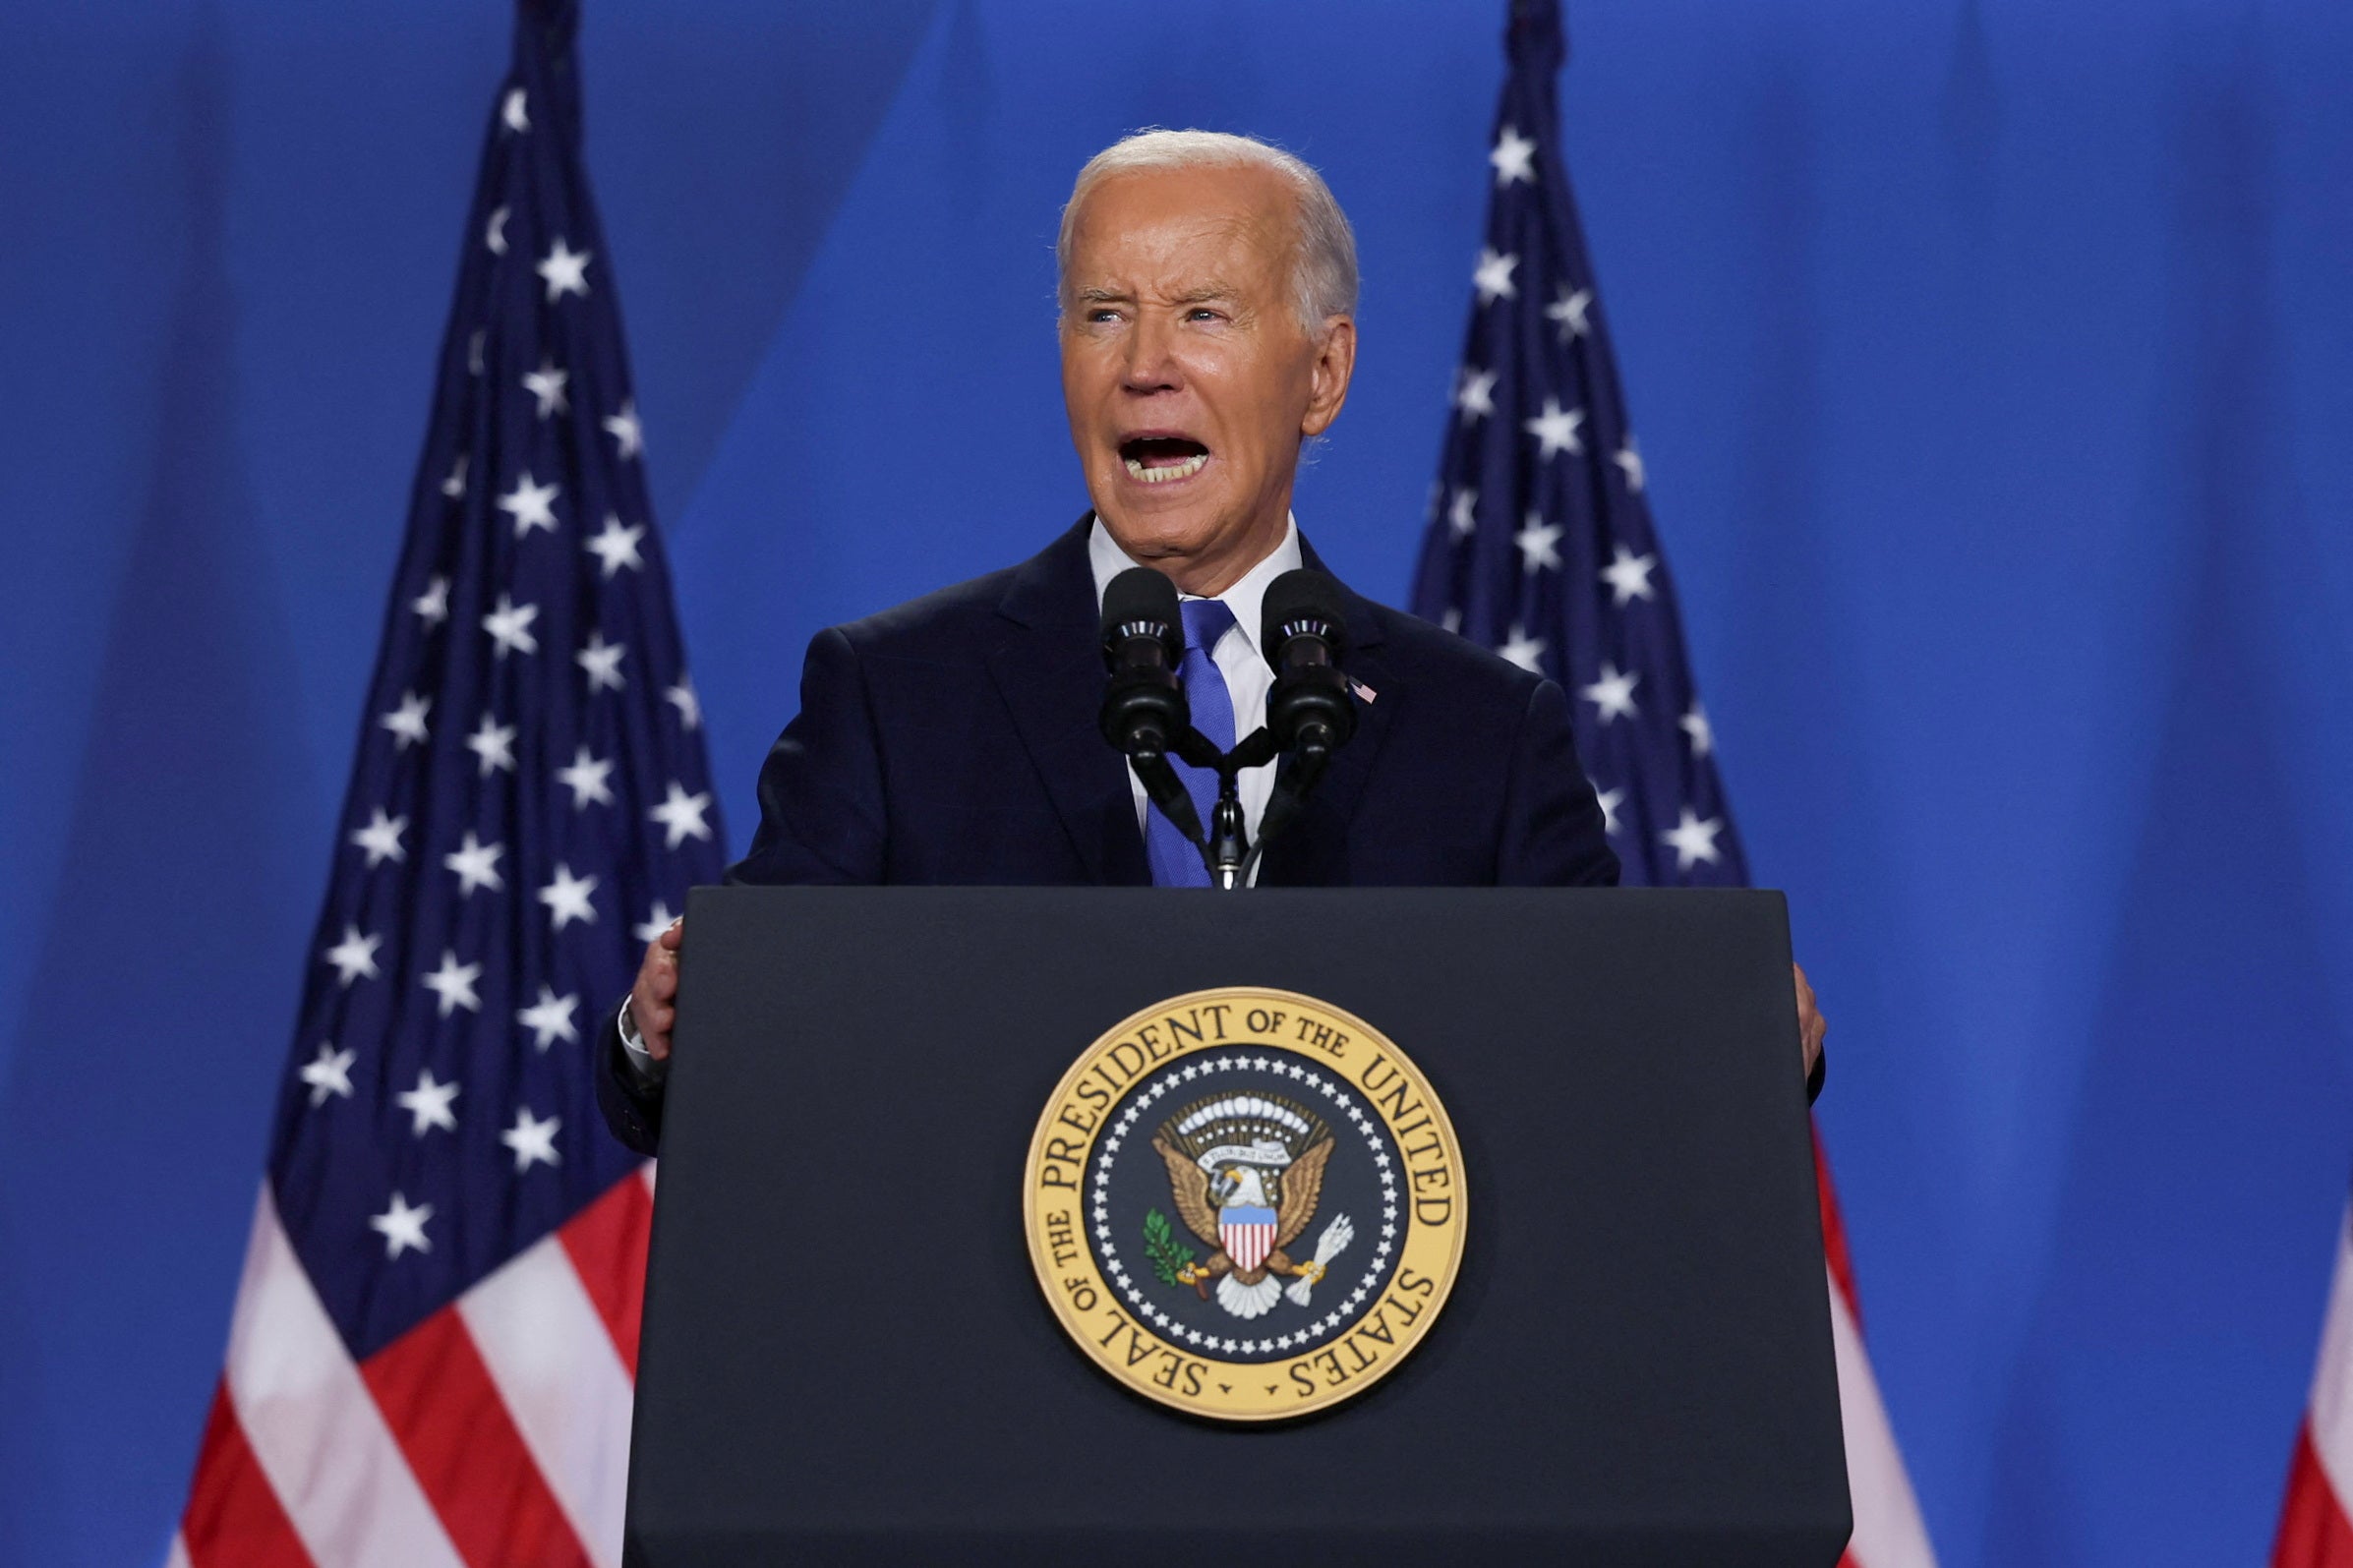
(1175, 862)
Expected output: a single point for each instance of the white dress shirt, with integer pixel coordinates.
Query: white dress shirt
(1247, 675)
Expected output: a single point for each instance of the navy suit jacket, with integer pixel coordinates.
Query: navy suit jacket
(953, 739)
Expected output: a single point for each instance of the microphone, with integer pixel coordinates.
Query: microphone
(1303, 631)
(1143, 639)
(1145, 713)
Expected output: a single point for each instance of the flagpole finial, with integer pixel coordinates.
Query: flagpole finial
(560, 17)
(548, 28)
(546, 33)
(1535, 37)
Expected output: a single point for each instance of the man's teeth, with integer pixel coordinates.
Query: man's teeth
(1170, 472)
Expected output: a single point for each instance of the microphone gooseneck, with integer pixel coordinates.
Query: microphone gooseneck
(1143, 641)
(1145, 715)
(1311, 713)
(1303, 633)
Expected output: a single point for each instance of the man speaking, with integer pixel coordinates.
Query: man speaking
(1207, 329)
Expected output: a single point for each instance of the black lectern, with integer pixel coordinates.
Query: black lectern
(848, 1358)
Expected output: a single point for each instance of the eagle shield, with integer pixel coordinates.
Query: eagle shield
(1248, 1231)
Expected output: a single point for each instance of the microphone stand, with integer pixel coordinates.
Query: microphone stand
(1227, 850)
(1145, 713)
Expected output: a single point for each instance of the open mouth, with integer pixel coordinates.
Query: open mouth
(1163, 460)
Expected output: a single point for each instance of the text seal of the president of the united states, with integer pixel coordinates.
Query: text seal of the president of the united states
(1245, 1204)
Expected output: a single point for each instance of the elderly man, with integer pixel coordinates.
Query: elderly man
(1207, 329)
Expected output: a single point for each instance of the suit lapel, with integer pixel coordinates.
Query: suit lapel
(1313, 853)
(1050, 674)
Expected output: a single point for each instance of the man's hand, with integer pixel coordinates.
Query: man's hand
(653, 1000)
(1811, 1028)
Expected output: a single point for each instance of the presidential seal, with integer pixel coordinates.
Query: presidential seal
(1245, 1204)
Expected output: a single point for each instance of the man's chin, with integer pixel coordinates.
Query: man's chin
(1181, 516)
(1204, 550)
(1159, 531)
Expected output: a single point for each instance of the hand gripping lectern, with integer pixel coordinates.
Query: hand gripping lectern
(1319, 1226)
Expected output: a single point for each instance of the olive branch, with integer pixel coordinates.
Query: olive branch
(1168, 1255)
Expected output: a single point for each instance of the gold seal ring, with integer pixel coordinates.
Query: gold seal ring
(1245, 1204)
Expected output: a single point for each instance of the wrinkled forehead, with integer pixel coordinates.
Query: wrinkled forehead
(1161, 231)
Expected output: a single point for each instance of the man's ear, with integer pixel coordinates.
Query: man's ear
(1328, 386)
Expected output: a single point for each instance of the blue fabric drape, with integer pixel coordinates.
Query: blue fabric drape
(1988, 360)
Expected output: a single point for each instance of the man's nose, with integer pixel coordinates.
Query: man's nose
(1151, 364)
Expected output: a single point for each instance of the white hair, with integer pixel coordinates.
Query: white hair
(1323, 266)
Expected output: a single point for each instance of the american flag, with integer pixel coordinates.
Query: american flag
(2316, 1524)
(1541, 547)
(431, 1360)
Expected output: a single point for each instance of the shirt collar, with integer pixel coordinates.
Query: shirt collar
(1108, 560)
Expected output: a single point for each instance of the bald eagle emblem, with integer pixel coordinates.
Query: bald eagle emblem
(1244, 1172)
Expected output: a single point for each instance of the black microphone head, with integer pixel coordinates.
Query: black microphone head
(1141, 603)
(1305, 601)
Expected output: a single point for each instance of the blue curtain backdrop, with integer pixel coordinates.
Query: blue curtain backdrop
(1990, 360)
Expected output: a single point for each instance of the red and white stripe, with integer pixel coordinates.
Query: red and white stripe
(1247, 1242)
(1888, 1533)
(494, 1435)
(2316, 1529)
